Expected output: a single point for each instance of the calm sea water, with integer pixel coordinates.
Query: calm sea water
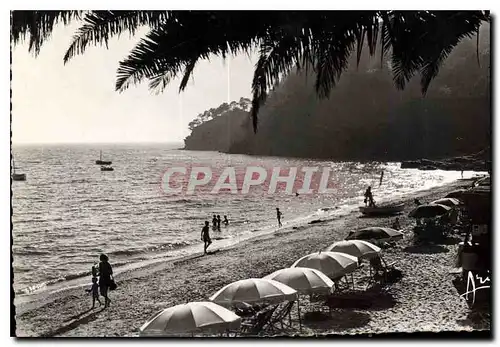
(67, 212)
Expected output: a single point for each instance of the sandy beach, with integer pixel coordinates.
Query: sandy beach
(423, 300)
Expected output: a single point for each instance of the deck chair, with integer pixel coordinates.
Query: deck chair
(256, 325)
(381, 269)
(280, 316)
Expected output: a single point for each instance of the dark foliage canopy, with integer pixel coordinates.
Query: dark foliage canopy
(321, 41)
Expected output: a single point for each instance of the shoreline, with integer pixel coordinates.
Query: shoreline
(141, 291)
(341, 209)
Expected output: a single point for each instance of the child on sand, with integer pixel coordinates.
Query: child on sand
(94, 290)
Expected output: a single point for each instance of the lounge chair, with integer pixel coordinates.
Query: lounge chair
(256, 325)
(381, 269)
(280, 316)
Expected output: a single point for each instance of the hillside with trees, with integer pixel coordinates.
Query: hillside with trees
(218, 128)
(366, 117)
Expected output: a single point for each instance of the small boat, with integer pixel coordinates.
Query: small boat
(107, 168)
(15, 175)
(383, 210)
(102, 162)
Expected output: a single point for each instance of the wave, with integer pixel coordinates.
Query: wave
(72, 276)
(30, 252)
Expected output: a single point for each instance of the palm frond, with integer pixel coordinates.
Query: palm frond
(332, 58)
(177, 43)
(279, 53)
(38, 26)
(100, 26)
(187, 73)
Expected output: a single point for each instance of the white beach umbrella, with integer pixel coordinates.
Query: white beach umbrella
(451, 202)
(332, 264)
(357, 248)
(254, 290)
(191, 317)
(303, 280)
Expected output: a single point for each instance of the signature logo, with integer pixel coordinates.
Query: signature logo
(472, 287)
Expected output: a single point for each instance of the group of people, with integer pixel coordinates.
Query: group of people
(216, 222)
(205, 231)
(102, 285)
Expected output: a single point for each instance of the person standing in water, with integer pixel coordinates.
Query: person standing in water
(205, 236)
(214, 222)
(225, 221)
(279, 215)
(218, 222)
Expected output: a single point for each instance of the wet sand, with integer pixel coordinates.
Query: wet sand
(423, 300)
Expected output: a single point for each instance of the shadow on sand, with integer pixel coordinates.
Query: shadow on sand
(426, 249)
(74, 324)
(338, 320)
(372, 299)
(478, 319)
(380, 216)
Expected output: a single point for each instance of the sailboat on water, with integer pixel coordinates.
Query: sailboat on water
(102, 162)
(16, 176)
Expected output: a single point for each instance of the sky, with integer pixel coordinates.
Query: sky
(77, 103)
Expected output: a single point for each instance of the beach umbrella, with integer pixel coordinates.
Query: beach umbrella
(450, 202)
(254, 290)
(332, 264)
(376, 233)
(357, 248)
(190, 318)
(429, 211)
(303, 280)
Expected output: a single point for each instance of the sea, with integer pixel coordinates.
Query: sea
(68, 211)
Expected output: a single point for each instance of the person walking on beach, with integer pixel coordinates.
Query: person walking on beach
(279, 215)
(218, 222)
(94, 290)
(225, 221)
(205, 236)
(105, 274)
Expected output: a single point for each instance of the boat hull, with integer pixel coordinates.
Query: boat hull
(19, 177)
(382, 210)
(103, 162)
